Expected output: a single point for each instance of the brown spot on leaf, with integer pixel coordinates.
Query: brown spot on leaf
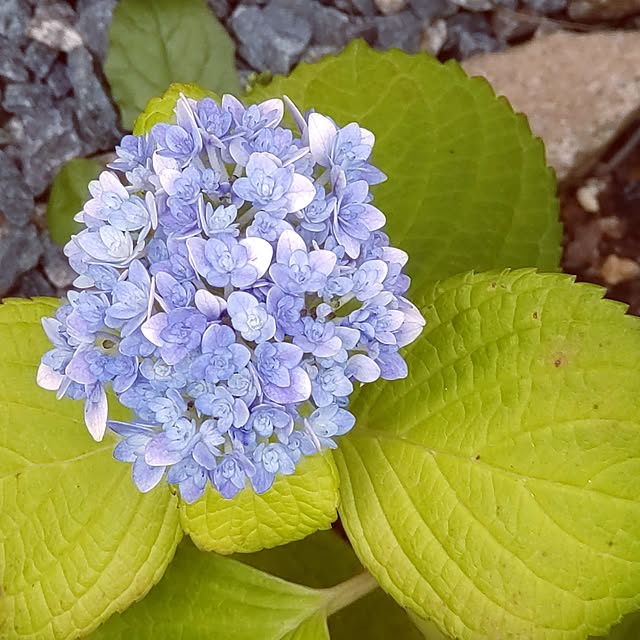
(559, 359)
(535, 315)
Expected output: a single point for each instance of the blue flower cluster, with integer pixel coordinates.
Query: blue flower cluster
(234, 285)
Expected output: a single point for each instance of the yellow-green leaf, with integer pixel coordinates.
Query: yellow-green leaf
(496, 490)
(294, 507)
(78, 541)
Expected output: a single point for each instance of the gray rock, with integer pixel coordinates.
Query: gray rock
(596, 10)
(34, 284)
(94, 20)
(58, 80)
(39, 57)
(365, 28)
(16, 199)
(14, 18)
(546, 6)
(20, 251)
(474, 5)
(272, 38)
(469, 34)
(45, 140)
(510, 25)
(56, 265)
(26, 97)
(363, 7)
(330, 26)
(97, 118)
(389, 7)
(11, 61)
(221, 8)
(400, 30)
(433, 9)
(52, 10)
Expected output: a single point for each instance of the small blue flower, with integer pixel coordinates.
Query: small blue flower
(221, 355)
(230, 476)
(270, 459)
(190, 477)
(272, 187)
(250, 317)
(297, 271)
(220, 404)
(223, 260)
(284, 381)
(327, 422)
(176, 333)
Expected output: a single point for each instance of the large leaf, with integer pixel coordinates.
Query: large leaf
(468, 186)
(152, 44)
(69, 192)
(78, 541)
(294, 507)
(208, 596)
(323, 560)
(496, 490)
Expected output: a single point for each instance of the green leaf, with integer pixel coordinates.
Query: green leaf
(294, 507)
(160, 109)
(315, 628)
(208, 596)
(323, 560)
(78, 541)
(468, 186)
(152, 44)
(628, 629)
(496, 490)
(69, 192)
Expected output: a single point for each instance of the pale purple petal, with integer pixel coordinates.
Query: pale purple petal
(362, 368)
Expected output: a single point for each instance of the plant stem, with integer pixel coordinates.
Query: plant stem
(347, 592)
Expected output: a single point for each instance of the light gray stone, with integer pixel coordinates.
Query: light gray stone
(579, 91)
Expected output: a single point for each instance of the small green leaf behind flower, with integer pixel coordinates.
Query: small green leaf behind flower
(153, 44)
(78, 541)
(294, 507)
(69, 192)
(497, 489)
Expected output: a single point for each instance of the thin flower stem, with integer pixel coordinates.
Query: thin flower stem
(347, 592)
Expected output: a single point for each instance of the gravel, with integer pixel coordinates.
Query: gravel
(55, 103)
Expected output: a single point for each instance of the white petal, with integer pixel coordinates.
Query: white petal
(95, 416)
(322, 133)
(289, 242)
(300, 194)
(47, 378)
(260, 254)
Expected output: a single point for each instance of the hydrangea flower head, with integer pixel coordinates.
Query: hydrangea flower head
(234, 287)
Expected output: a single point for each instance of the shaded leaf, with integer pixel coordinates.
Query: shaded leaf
(203, 595)
(69, 192)
(152, 44)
